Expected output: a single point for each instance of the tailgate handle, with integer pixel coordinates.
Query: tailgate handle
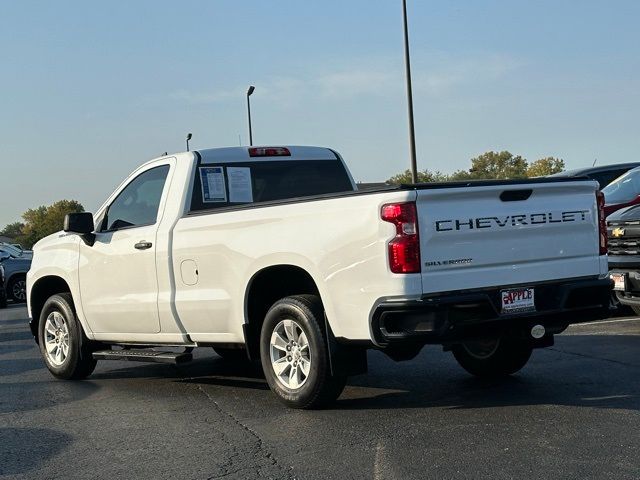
(515, 195)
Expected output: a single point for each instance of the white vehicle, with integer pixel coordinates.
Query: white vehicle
(270, 253)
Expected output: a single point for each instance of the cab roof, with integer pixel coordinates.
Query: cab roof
(265, 153)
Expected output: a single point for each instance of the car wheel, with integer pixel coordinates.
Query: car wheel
(295, 356)
(3, 300)
(17, 289)
(497, 357)
(636, 309)
(66, 350)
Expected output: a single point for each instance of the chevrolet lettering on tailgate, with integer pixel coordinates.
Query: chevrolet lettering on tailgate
(512, 220)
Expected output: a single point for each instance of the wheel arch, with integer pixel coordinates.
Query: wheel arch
(267, 286)
(42, 289)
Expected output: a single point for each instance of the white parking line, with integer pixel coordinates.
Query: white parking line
(619, 320)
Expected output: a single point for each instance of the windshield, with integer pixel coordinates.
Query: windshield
(11, 250)
(624, 189)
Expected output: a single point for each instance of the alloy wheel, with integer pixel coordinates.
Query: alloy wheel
(290, 354)
(56, 338)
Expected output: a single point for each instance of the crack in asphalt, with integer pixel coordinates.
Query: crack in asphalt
(259, 451)
(593, 357)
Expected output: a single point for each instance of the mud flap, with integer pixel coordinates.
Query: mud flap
(344, 359)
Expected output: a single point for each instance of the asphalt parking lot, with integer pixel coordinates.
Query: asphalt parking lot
(573, 412)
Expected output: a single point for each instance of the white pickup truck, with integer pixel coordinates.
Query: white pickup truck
(271, 254)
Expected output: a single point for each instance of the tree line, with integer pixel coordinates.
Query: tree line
(40, 222)
(489, 166)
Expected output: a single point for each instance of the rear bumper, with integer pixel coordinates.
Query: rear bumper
(456, 316)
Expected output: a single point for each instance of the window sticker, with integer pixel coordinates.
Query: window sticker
(212, 179)
(240, 190)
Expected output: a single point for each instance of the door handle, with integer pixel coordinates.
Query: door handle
(143, 245)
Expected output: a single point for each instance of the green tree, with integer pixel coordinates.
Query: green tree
(460, 175)
(423, 177)
(545, 166)
(498, 165)
(13, 230)
(43, 221)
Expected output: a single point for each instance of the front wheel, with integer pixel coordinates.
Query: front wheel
(17, 289)
(295, 356)
(65, 349)
(497, 357)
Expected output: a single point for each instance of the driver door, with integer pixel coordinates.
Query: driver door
(118, 284)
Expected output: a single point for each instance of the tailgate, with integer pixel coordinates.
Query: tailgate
(500, 234)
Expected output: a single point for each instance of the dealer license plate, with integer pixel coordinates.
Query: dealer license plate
(518, 300)
(618, 281)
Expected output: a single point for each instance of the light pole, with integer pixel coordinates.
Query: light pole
(188, 138)
(407, 64)
(249, 92)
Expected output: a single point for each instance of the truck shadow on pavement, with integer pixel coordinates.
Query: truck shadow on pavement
(203, 371)
(566, 375)
(23, 450)
(578, 372)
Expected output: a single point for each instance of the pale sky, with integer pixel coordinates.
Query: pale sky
(91, 90)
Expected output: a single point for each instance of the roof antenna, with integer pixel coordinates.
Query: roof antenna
(594, 162)
(188, 138)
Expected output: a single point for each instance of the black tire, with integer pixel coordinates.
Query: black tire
(79, 362)
(501, 360)
(3, 301)
(636, 309)
(17, 288)
(320, 388)
(232, 354)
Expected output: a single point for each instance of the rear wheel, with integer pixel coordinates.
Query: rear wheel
(295, 356)
(497, 357)
(636, 309)
(66, 350)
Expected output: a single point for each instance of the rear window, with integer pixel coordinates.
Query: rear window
(223, 185)
(605, 178)
(624, 189)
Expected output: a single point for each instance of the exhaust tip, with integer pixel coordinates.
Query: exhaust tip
(538, 332)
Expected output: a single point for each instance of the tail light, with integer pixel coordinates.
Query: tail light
(602, 223)
(404, 248)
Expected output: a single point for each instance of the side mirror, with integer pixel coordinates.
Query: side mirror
(78, 223)
(82, 224)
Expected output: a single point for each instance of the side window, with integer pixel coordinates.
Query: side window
(138, 203)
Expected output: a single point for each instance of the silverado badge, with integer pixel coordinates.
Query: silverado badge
(617, 232)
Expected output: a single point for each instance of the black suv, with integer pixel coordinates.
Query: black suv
(623, 230)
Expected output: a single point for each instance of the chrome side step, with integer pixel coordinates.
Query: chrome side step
(144, 356)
